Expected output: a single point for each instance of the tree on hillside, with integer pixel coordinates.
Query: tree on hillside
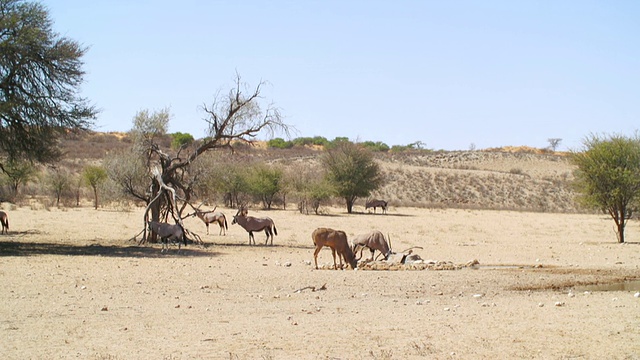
(94, 176)
(352, 171)
(58, 181)
(554, 143)
(265, 182)
(40, 77)
(19, 172)
(308, 185)
(608, 176)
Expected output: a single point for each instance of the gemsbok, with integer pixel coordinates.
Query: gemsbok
(376, 204)
(213, 216)
(167, 232)
(4, 219)
(373, 240)
(337, 241)
(251, 224)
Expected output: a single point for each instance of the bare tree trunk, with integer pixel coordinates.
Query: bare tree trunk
(95, 197)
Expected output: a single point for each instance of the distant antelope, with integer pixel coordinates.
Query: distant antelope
(337, 241)
(375, 204)
(4, 219)
(252, 224)
(373, 240)
(212, 216)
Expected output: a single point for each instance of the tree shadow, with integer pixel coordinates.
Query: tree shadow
(11, 248)
(380, 214)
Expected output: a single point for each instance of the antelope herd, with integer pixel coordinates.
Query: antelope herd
(336, 240)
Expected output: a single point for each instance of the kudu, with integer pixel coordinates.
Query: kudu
(376, 204)
(373, 240)
(337, 241)
(4, 219)
(251, 224)
(168, 232)
(213, 216)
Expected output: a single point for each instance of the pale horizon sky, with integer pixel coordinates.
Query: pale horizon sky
(447, 73)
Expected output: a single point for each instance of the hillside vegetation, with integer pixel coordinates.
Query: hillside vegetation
(504, 178)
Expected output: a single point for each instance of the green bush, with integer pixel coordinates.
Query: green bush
(279, 143)
(376, 146)
(179, 140)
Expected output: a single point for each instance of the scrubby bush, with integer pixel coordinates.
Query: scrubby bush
(279, 143)
(179, 140)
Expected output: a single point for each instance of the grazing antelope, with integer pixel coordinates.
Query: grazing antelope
(213, 217)
(173, 232)
(252, 224)
(375, 204)
(337, 241)
(373, 240)
(4, 219)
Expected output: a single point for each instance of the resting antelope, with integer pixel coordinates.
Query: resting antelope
(337, 241)
(168, 232)
(4, 219)
(373, 240)
(252, 224)
(212, 216)
(375, 204)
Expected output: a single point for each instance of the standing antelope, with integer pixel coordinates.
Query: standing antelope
(375, 204)
(168, 232)
(212, 216)
(337, 241)
(4, 219)
(373, 240)
(252, 224)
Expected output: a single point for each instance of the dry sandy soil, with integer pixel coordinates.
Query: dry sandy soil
(75, 286)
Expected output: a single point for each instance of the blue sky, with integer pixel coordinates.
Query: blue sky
(447, 73)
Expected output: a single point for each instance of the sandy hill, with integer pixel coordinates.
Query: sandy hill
(517, 178)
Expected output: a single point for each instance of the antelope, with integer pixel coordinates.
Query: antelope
(337, 241)
(373, 240)
(375, 204)
(212, 216)
(4, 219)
(168, 232)
(251, 224)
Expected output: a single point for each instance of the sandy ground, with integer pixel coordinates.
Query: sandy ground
(74, 286)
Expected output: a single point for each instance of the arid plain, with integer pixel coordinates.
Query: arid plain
(76, 285)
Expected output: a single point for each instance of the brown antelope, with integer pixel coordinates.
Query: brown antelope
(168, 232)
(337, 241)
(213, 217)
(376, 204)
(252, 224)
(373, 240)
(4, 219)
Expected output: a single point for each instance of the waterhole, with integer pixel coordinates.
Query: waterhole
(633, 285)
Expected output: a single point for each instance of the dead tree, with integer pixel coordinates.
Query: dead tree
(235, 118)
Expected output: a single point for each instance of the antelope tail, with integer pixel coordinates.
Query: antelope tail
(275, 231)
(226, 227)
